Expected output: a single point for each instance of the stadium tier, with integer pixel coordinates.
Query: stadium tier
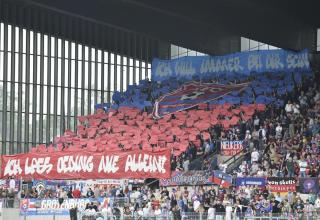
(126, 126)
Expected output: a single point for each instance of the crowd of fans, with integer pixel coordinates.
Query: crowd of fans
(285, 142)
(282, 141)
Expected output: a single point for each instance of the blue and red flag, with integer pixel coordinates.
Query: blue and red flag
(192, 94)
(222, 179)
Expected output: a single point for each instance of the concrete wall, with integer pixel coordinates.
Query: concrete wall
(13, 214)
(45, 217)
(9, 214)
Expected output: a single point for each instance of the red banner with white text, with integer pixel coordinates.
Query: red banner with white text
(230, 148)
(88, 165)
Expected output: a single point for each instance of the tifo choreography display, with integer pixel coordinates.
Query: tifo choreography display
(217, 143)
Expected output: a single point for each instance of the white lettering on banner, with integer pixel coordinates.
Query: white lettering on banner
(12, 168)
(273, 62)
(146, 163)
(184, 68)
(38, 165)
(231, 145)
(213, 65)
(50, 204)
(281, 182)
(298, 61)
(254, 62)
(163, 69)
(252, 183)
(53, 204)
(77, 164)
(236, 64)
(192, 179)
(108, 164)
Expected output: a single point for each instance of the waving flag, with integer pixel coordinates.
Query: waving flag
(192, 94)
(222, 179)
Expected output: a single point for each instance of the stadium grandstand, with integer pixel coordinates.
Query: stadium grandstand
(177, 110)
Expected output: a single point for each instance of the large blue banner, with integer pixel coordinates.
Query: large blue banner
(241, 63)
(251, 181)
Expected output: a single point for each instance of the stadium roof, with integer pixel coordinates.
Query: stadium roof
(209, 26)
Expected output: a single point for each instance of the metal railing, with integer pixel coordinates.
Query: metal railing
(119, 201)
(10, 203)
(87, 215)
(196, 164)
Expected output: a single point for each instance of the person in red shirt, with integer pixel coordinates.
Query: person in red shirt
(76, 193)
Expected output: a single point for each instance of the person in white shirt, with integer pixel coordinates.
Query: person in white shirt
(254, 169)
(157, 212)
(289, 107)
(317, 97)
(278, 197)
(309, 209)
(228, 212)
(317, 205)
(296, 108)
(256, 122)
(303, 167)
(303, 100)
(140, 212)
(248, 192)
(279, 131)
(223, 167)
(206, 148)
(12, 184)
(254, 155)
(186, 165)
(260, 173)
(146, 212)
(243, 167)
(211, 213)
(196, 205)
(248, 135)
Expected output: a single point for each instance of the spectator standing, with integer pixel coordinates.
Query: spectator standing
(90, 193)
(76, 193)
(220, 210)
(186, 164)
(228, 211)
(211, 213)
(255, 155)
(309, 209)
(303, 167)
(279, 131)
(290, 167)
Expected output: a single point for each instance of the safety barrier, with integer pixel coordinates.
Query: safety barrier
(9, 203)
(115, 211)
(119, 201)
(88, 215)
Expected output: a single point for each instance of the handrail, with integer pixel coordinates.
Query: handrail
(201, 158)
(234, 162)
(237, 154)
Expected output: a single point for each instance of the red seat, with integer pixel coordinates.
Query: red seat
(51, 149)
(206, 135)
(82, 119)
(192, 137)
